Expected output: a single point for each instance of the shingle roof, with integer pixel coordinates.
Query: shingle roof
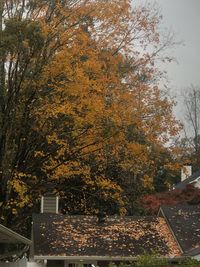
(193, 252)
(184, 221)
(62, 235)
(187, 181)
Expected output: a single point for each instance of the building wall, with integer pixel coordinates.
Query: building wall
(52, 263)
(35, 264)
(197, 257)
(197, 184)
(103, 263)
(106, 263)
(19, 263)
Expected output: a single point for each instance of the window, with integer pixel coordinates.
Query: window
(72, 264)
(80, 264)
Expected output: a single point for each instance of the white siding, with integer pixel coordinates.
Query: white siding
(197, 257)
(35, 264)
(197, 184)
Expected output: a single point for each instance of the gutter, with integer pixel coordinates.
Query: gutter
(85, 258)
(96, 258)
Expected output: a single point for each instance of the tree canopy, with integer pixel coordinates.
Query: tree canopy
(80, 112)
(188, 195)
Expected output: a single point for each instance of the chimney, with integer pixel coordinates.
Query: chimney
(49, 204)
(186, 172)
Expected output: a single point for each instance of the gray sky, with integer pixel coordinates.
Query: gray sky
(183, 18)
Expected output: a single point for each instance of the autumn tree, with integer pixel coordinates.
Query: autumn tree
(190, 143)
(188, 195)
(80, 112)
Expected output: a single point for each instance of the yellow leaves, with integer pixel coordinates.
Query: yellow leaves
(14, 211)
(18, 186)
(136, 149)
(39, 154)
(20, 190)
(51, 138)
(154, 113)
(80, 94)
(136, 159)
(69, 170)
(147, 182)
(107, 184)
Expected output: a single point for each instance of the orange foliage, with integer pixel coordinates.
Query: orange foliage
(89, 95)
(152, 203)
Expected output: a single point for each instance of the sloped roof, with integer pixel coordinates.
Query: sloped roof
(10, 237)
(193, 252)
(11, 240)
(58, 235)
(184, 221)
(190, 180)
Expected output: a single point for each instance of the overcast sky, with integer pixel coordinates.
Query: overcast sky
(183, 18)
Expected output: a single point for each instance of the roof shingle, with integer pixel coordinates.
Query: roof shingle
(184, 221)
(63, 235)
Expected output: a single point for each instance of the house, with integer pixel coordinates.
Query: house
(73, 241)
(13, 248)
(63, 240)
(188, 179)
(86, 241)
(184, 224)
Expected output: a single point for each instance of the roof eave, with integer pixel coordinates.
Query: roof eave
(168, 224)
(96, 258)
(14, 235)
(84, 258)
